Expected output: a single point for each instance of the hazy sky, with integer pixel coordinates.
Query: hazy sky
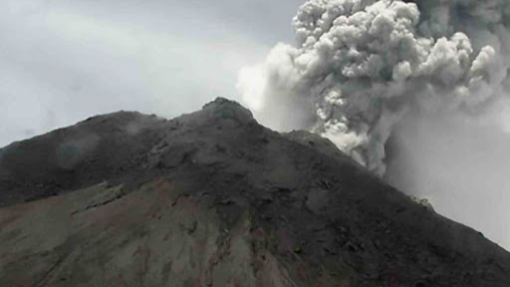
(63, 61)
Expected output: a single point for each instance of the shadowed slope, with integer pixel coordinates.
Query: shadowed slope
(215, 199)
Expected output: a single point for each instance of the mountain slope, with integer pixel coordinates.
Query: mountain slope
(214, 199)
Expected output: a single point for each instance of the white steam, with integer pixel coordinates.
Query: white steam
(361, 69)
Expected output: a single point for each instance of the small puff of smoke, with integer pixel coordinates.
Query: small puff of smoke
(360, 65)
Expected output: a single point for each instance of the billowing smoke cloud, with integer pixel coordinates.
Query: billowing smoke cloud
(361, 69)
(360, 66)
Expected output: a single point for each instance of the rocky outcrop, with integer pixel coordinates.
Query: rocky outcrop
(214, 199)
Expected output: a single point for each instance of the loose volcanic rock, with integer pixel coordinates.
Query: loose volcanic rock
(213, 198)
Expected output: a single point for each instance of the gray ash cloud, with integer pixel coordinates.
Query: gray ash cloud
(362, 72)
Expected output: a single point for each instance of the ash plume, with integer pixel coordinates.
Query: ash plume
(398, 85)
(358, 67)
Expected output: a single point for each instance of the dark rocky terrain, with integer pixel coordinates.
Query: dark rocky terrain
(214, 199)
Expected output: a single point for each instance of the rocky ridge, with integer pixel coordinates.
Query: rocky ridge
(215, 199)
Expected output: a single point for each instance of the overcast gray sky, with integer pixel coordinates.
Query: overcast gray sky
(63, 61)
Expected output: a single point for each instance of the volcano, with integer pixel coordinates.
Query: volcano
(213, 198)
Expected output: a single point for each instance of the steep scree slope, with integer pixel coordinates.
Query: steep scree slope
(214, 199)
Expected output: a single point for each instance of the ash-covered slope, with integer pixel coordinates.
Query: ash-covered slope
(215, 199)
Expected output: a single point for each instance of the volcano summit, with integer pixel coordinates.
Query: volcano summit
(213, 198)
